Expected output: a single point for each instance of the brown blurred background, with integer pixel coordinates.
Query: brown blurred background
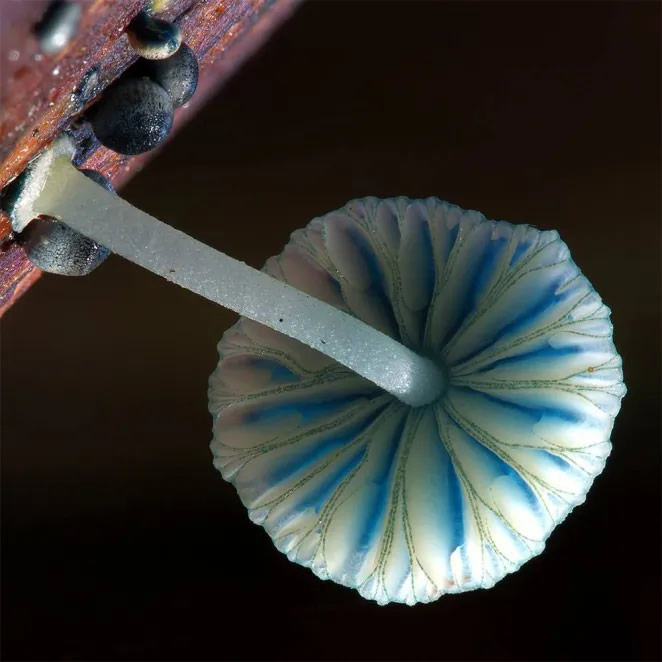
(120, 540)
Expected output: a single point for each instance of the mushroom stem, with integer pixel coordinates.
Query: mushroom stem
(72, 198)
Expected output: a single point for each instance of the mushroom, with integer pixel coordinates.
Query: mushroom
(414, 397)
(403, 502)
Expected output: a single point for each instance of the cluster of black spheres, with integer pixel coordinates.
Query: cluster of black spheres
(135, 114)
(58, 249)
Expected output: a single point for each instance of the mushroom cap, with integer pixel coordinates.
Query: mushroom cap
(406, 504)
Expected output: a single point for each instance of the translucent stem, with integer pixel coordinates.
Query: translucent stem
(112, 222)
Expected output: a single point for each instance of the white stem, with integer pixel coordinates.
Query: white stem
(112, 222)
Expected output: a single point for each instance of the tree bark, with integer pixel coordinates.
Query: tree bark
(41, 95)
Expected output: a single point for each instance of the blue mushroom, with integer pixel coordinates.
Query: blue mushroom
(407, 503)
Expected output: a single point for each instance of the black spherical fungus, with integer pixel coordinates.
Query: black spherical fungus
(56, 248)
(153, 38)
(133, 116)
(177, 75)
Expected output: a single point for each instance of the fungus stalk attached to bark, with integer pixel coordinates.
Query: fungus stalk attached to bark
(54, 187)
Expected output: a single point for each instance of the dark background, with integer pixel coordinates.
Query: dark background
(120, 540)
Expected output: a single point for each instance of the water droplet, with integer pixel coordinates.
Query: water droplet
(58, 26)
